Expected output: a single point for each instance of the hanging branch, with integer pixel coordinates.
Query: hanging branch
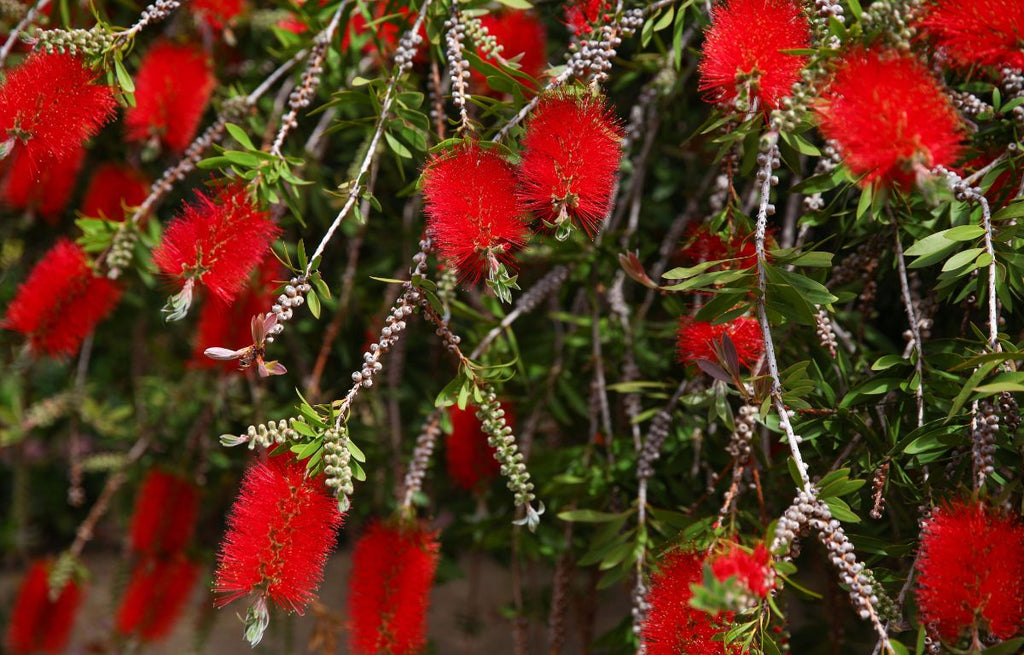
(915, 326)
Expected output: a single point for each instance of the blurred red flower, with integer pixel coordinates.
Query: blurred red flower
(698, 340)
(978, 32)
(751, 569)
(166, 508)
(113, 187)
(39, 624)
(672, 626)
(470, 459)
(156, 596)
(43, 184)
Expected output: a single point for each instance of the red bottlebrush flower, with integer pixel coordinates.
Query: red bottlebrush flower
(172, 88)
(970, 568)
(389, 589)
(705, 246)
(217, 13)
(280, 531)
(518, 33)
(112, 188)
(581, 15)
(49, 106)
(156, 597)
(743, 50)
(472, 209)
(699, 340)
(224, 324)
(672, 626)
(44, 184)
(166, 508)
(752, 570)
(38, 624)
(978, 32)
(470, 459)
(61, 301)
(571, 155)
(216, 241)
(889, 117)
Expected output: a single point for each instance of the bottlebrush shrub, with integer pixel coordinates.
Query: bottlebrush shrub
(570, 158)
(520, 35)
(866, 109)
(228, 324)
(280, 532)
(217, 241)
(672, 625)
(61, 301)
(42, 185)
(166, 508)
(977, 32)
(700, 340)
(470, 459)
(389, 589)
(172, 88)
(112, 188)
(40, 623)
(49, 106)
(751, 570)
(743, 57)
(970, 571)
(473, 213)
(156, 596)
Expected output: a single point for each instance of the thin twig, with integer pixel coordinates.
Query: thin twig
(915, 326)
(25, 21)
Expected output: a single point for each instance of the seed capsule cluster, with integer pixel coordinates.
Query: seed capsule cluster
(337, 456)
(500, 437)
(293, 296)
(74, 42)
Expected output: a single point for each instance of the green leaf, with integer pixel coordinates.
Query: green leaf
(314, 303)
(1006, 648)
(517, 4)
(397, 146)
(238, 134)
(124, 80)
(357, 454)
(590, 516)
(961, 259)
(840, 510)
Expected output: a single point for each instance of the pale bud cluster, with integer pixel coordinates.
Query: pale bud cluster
(406, 50)
(830, 158)
(984, 432)
(93, 41)
(1013, 83)
(594, 55)
(458, 66)
(500, 437)
(263, 435)
(294, 296)
(895, 20)
(336, 465)
(825, 331)
(122, 249)
(968, 104)
(421, 455)
(740, 443)
(651, 452)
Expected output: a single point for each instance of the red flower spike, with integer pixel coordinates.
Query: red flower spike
(280, 531)
(889, 116)
(699, 340)
(229, 325)
(49, 107)
(571, 155)
(582, 15)
(970, 567)
(172, 88)
(978, 32)
(166, 509)
(672, 626)
(43, 185)
(473, 213)
(702, 245)
(216, 241)
(470, 459)
(217, 13)
(389, 589)
(743, 46)
(518, 33)
(156, 597)
(112, 188)
(61, 301)
(752, 570)
(38, 624)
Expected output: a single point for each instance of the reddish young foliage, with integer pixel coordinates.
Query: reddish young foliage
(156, 597)
(672, 626)
(39, 625)
(280, 532)
(752, 570)
(61, 301)
(571, 155)
(745, 42)
(978, 32)
(518, 33)
(581, 15)
(44, 184)
(217, 13)
(113, 187)
(49, 106)
(217, 241)
(698, 340)
(228, 324)
(166, 509)
(470, 459)
(472, 209)
(889, 116)
(172, 88)
(971, 567)
(389, 589)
